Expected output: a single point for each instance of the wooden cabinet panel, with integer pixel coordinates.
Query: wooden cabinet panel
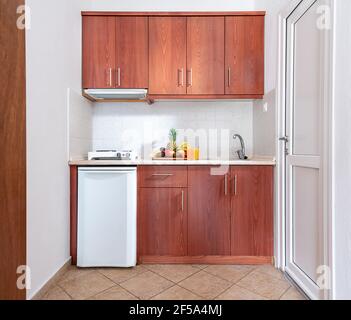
(244, 55)
(205, 55)
(167, 55)
(252, 211)
(162, 221)
(99, 51)
(132, 52)
(163, 176)
(209, 213)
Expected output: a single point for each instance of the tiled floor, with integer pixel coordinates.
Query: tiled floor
(174, 282)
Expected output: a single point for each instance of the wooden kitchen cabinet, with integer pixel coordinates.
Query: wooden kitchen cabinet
(99, 51)
(244, 55)
(208, 212)
(252, 211)
(163, 221)
(167, 59)
(205, 55)
(176, 55)
(132, 52)
(197, 214)
(115, 52)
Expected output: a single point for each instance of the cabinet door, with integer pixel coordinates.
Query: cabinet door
(132, 49)
(99, 51)
(244, 55)
(163, 221)
(205, 55)
(167, 55)
(252, 211)
(209, 213)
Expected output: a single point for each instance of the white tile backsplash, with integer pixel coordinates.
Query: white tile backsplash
(80, 112)
(138, 126)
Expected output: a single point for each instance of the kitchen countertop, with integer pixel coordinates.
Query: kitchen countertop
(253, 162)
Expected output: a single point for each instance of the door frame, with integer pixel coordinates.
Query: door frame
(327, 156)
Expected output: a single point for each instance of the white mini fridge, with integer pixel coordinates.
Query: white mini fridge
(107, 218)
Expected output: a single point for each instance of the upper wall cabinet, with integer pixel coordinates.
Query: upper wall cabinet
(180, 55)
(132, 48)
(115, 52)
(244, 55)
(167, 55)
(99, 51)
(205, 55)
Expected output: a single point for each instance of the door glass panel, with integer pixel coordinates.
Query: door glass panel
(307, 85)
(306, 235)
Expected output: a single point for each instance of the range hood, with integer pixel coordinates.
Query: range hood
(116, 94)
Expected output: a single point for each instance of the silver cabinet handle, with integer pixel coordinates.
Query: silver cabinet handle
(162, 175)
(109, 76)
(229, 76)
(226, 185)
(190, 82)
(235, 184)
(118, 77)
(182, 200)
(181, 82)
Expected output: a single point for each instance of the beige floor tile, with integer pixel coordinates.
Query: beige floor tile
(119, 275)
(114, 293)
(292, 294)
(86, 286)
(237, 293)
(146, 285)
(56, 293)
(174, 272)
(176, 293)
(264, 284)
(74, 272)
(205, 285)
(229, 273)
(200, 266)
(271, 271)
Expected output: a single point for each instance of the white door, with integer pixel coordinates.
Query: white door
(305, 252)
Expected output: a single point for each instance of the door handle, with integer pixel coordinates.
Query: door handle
(182, 200)
(284, 139)
(162, 175)
(226, 185)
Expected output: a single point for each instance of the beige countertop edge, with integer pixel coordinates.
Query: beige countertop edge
(252, 162)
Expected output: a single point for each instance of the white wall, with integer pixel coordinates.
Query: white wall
(264, 123)
(342, 152)
(137, 121)
(180, 5)
(53, 57)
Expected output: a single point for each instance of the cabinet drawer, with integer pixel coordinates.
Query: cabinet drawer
(163, 177)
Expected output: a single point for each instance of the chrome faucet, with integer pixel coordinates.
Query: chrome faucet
(241, 153)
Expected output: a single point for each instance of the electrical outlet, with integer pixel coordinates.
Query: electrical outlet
(265, 107)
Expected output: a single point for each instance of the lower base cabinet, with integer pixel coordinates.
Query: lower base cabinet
(252, 211)
(163, 222)
(214, 217)
(209, 212)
